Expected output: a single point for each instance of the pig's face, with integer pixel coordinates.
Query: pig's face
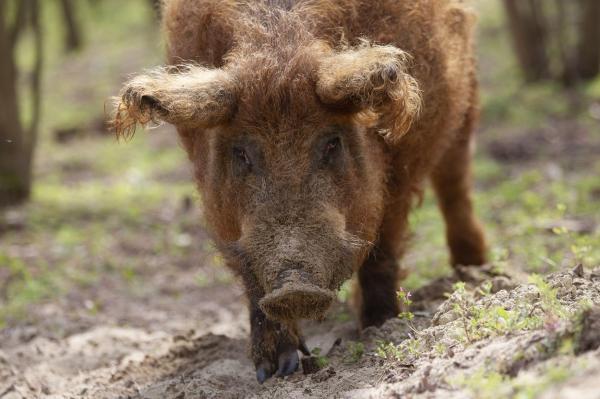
(305, 201)
(289, 159)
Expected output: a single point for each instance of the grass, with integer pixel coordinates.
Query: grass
(517, 210)
(477, 315)
(356, 350)
(491, 385)
(92, 196)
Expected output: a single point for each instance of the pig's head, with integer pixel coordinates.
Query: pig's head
(288, 150)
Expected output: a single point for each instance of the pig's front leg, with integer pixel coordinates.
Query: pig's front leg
(274, 345)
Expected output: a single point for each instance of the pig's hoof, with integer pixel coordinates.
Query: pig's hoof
(287, 363)
(263, 372)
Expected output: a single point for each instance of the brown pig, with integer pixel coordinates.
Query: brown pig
(312, 127)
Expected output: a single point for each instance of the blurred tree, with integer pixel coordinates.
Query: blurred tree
(156, 5)
(558, 40)
(72, 31)
(528, 29)
(17, 142)
(589, 39)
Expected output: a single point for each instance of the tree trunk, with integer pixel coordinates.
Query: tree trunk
(567, 60)
(528, 30)
(15, 179)
(72, 33)
(588, 49)
(156, 6)
(16, 142)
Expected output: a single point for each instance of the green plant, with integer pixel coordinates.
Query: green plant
(554, 312)
(321, 361)
(388, 350)
(483, 384)
(489, 384)
(440, 349)
(356, 350)
(479, 321)
(405, 302)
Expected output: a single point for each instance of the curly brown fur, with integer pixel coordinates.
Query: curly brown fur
(185, 95)
(372, 78)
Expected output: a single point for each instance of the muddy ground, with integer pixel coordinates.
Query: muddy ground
(166, 353)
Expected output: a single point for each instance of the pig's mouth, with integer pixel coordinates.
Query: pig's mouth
(295, 296)
(291, 289)
(296, 301)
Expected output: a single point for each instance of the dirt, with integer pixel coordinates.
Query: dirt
(170, 353)
(567, 140)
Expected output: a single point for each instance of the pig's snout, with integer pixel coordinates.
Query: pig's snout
(296, 296)
(296, 301)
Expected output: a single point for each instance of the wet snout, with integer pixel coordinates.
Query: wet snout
(296, 295)
(301, 262)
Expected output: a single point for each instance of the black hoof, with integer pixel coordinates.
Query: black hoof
(263, 372)
(287, 363)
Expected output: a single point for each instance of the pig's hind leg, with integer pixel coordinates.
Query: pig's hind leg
(451, 180)
(379, 276)
(378, 284)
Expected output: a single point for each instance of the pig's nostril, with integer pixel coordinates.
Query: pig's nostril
(290, 265)
(291, 275)
(296, 293)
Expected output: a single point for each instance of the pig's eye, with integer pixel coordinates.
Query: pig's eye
(331, 150)
(242, 159)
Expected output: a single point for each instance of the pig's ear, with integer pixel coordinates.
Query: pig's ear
(372, 79)
(184, 96)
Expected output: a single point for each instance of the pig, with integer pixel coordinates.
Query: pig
(312, 127)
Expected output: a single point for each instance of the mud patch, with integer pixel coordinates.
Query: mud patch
(568, 141)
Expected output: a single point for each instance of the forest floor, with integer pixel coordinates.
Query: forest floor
(110, 287)
(534, 340)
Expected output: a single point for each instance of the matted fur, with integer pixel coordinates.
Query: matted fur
(368, 79)
(184, 95)
(372, 78)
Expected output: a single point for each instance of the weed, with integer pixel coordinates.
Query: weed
(356, 350)
(549, 300)
(388, 350)
(440, 349)
(321, 360)
(479, 321)
(405, 302)
(485, 384)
